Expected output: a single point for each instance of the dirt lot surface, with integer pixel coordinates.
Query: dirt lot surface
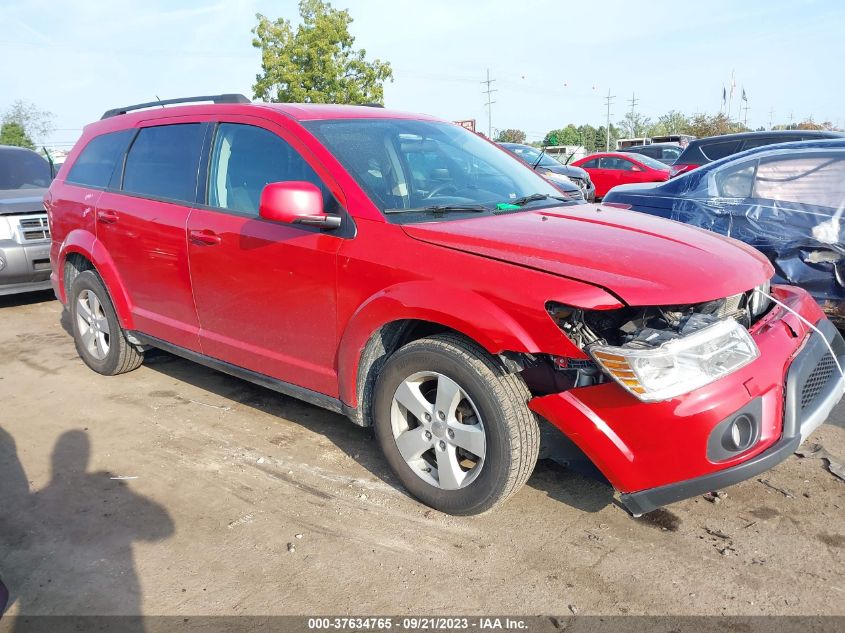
(235, 500)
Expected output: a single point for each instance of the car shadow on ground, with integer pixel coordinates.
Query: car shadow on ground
(561, 484)
(26, 298)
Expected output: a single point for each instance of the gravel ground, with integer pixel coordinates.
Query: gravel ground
(175, 489)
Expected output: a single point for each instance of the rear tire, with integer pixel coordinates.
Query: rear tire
(468, 439)
(99, 339)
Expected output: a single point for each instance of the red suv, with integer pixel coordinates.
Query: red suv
(415, 277)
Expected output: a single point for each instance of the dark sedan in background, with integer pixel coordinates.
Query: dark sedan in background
(786, 200)
(705, 150)
(545, 165)
(666, 153)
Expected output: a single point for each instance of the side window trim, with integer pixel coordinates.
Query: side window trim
(347, 230)
(157, 123)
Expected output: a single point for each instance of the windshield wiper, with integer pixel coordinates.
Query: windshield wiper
(534, 197)
(539, 158)
(443, 208)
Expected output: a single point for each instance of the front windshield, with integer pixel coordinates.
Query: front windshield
(22, 169)
(408, 167)
(530, 156)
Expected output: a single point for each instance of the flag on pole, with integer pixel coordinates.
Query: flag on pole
(744, 96)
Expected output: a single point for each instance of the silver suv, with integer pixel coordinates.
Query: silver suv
(24, 233)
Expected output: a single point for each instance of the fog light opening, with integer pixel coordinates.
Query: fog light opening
(740, 434)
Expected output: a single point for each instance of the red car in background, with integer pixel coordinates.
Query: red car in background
(608, 169)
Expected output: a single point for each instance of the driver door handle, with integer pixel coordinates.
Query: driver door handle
(107, 217)
(205, 237)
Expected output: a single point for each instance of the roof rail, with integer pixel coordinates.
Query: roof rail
(224, 98)
(373, 105)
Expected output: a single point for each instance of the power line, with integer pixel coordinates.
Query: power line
(489, 92)
(608, 101)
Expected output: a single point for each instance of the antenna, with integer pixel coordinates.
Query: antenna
(608, 101)
(489, 92)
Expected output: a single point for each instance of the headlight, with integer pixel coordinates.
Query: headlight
(758, 303)
(560, 178)
(5, 229)
(680, 365)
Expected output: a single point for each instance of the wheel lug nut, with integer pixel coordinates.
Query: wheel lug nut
(441, 415)
(442, 445)
(428, 417)
(428, 435)
(451, 434)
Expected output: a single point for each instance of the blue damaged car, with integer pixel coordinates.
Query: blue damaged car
(786, 200)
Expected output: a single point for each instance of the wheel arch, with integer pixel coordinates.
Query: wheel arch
(398, 316)
(82, 251)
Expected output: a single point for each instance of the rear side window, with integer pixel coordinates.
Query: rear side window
(715, 151)
(245, 158)
(590, 164)
(816, 180)
(163, 162)
(96, 164)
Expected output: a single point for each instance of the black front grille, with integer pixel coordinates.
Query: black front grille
(817, 380)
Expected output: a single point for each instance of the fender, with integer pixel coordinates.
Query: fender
(86, 244)
(485, 323)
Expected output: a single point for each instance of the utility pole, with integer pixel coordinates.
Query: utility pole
(746, 107)
(634, 101)
(791, 119)
(771, 118)
(608, 101)
(489, 92)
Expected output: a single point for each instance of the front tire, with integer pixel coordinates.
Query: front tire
(99, 339)
(454, 426)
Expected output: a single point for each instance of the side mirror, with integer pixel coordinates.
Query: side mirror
(636, 168)
(295, 202)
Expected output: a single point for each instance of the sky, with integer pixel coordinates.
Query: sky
(553, 62)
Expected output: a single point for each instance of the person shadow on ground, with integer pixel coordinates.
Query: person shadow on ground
(67, 549)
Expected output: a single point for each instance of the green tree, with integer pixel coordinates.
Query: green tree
(316, 63)
(35, 123)
(511, 135)
(601, 137)
(635, 125)
(12, 133)
(673, 122)
(587, 137)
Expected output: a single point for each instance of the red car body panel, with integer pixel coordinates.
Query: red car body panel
(645, 445)
(300, 306)
(636, 257)
(606, 179)
(677, 169)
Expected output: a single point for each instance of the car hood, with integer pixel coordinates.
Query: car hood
(566, 170)
(21, 201)
(642, 259)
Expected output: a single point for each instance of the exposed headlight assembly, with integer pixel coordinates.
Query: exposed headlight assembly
(758, 302)
(680, 365)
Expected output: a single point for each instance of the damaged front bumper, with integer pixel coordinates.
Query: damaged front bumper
(662, 452)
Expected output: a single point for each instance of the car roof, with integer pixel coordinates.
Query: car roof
(619, 154)
(15, 148)
(830, 143)
(740, 136)
(295, 111)
(667, 144)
